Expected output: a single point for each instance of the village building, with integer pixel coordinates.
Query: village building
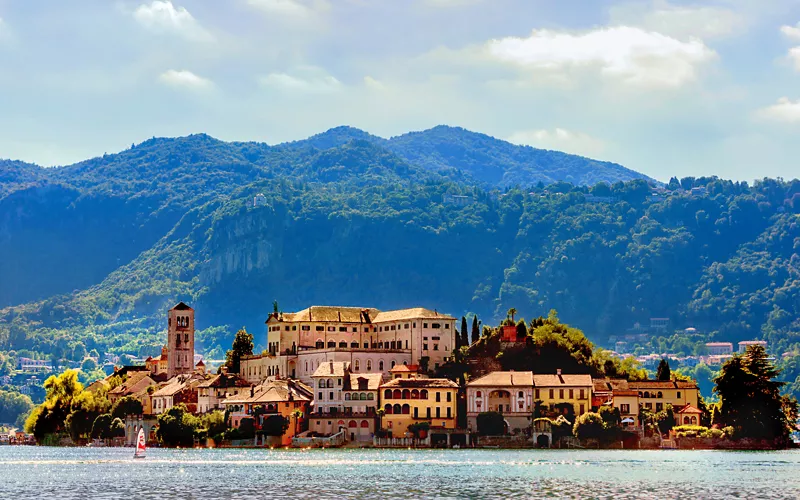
(655, 395)
(135, 382)
(344, 401)
(556, 391)
(617, 394)
(372, 341)
(719, 348)
(160, 364)
(211, 392)
(509, 393)
(288, 398)
(181, 389)
(743, 345)
(406, 401)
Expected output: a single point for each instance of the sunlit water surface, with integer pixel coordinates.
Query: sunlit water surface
(66, 473)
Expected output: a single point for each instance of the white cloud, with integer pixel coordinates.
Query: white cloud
(163, 17)
(303, 79)
(785, 110)
(290, 8)
(559, 139)
(185, 79)
(794, 56)
(683, 22)
(372, 83)
(632, 55)
(792, 32)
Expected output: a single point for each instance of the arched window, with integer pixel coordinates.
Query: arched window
(364, 424)
(397, 409)
(356, 365)
(347, 396)
(646, 394)
(387, 394)
(370, 396)
(321, 383)
(423, 394)
(406, 409)
(353, 424)
(397, 394)
(686, 420)
(354, 345)
(363, 396)
(694, 420)
(343, 344)
(392, 363)
(306, 365)
(660, 394)
(320, 344)
(520, 395)
(380, 365)
(415, 394)
(478, 394)
(387, 409)
(406, 394)
(330, 383)
(331, 343)
(369, 364)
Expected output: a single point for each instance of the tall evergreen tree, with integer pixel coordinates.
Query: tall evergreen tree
(476, 333)
(750, 399)
(464, 333)
(242, 346)
(663, 372)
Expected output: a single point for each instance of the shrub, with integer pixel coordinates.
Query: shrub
(589, 426)
(491, 423)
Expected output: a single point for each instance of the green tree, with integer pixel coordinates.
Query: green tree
(242, 346)
(665, 419)
(750, 399)
(176, 427)
(12, 405)
(274, 425)
(101, 427)
(610, 415)
(297, 415)
(476, 333)
(464, 333)
(128, 405)
(663, 371)
(491, 423)
(589, 426)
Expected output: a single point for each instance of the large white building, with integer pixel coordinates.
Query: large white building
(371, 341)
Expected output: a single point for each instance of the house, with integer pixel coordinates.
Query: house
(688, 415)
(743, 345)
(159, 364)
(344, 401)
(556, 391)
(288, 398)
(507, 392)
(654, 395)
(405, 371)
(135, 382)
(719, 348)
(406, 401)
(211, 392)
(181, 389)
(617, 394)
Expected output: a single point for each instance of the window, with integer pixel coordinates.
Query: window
(581, 410)
(649, 406)
(331, 328)
(447, 326)
(380, 365)
(449, 397)
(551, 394)
(438, 412)
(405, 326)
(392, 327)
(424, 347)
(582, 395)
(306, 328)
(520, 394)
(625, 409)
(436, 325)
(406, 344)
(660, 395)
(294, 328)
(414, 324)
(347, 396)
(435, 347)
(286, 328)
(342, 328)
(424, 325)
(322, 384)
(320, 344)
(339, 382)
(434, 338)
(438, 396)
(366, 329)
(357, 365)
(537, 393)
(392, 364)
(369, 364)
(331, 396)
(330, 383)
(320, 328)
(679, 394)
(659, 406)
(331, 343)
(571, 394)
(427, 413)
(343, 344)
(355, 330)
(561, 394)
(478, 394)
(319, 396)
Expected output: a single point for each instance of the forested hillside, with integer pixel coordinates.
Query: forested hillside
(92, 254)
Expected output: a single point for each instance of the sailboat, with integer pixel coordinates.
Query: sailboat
(140, 445)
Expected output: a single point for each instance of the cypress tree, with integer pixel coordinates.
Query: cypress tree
(464, 334)
(663, 372)
(476, 334)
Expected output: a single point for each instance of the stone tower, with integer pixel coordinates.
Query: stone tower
(180, 340)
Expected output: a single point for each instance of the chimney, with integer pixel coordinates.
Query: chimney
(558, 372)
(223, 370)
(331, 366)
(252, 391)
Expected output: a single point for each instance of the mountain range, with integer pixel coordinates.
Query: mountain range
(92, 254)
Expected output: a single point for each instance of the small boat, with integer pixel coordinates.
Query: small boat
(140, 445)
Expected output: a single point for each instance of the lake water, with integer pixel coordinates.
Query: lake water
(66, 473)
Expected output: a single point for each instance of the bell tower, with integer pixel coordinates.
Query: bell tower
(180, 340)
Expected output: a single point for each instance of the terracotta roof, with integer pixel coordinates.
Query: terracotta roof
(689, 409)
(505, 379)
(136, 381)
(374, 381)
(332, 369)
(610, 384)
(181, 306)
(562, 380)
(719, 344)
(177, 384)
(224, 380)
(404, 369)
(420, 383)
(273, 391)
(662, 384)
(340, 314)
(413, 313)
(200, 363)
(626, 393)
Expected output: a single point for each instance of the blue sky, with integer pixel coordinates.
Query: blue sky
(663, 87)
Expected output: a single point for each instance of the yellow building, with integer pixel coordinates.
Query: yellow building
(617, 394)
(655, 395)
(553, 390)
(406, 401)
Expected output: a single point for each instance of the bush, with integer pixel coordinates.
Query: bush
(690, 431)
(491, 423)
(589, 426)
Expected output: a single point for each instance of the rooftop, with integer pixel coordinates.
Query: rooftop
(332, 369)
(420, 383)
(505, 379)
(562, 380)
(373, 380)
(342, 314)
(662, 384)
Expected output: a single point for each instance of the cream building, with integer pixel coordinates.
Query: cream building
(510, 393)
(372, 341)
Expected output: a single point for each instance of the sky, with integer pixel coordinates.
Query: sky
(665, 87)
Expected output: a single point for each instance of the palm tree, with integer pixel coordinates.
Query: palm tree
(297, 414)
(380, 412)
(511, 313)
